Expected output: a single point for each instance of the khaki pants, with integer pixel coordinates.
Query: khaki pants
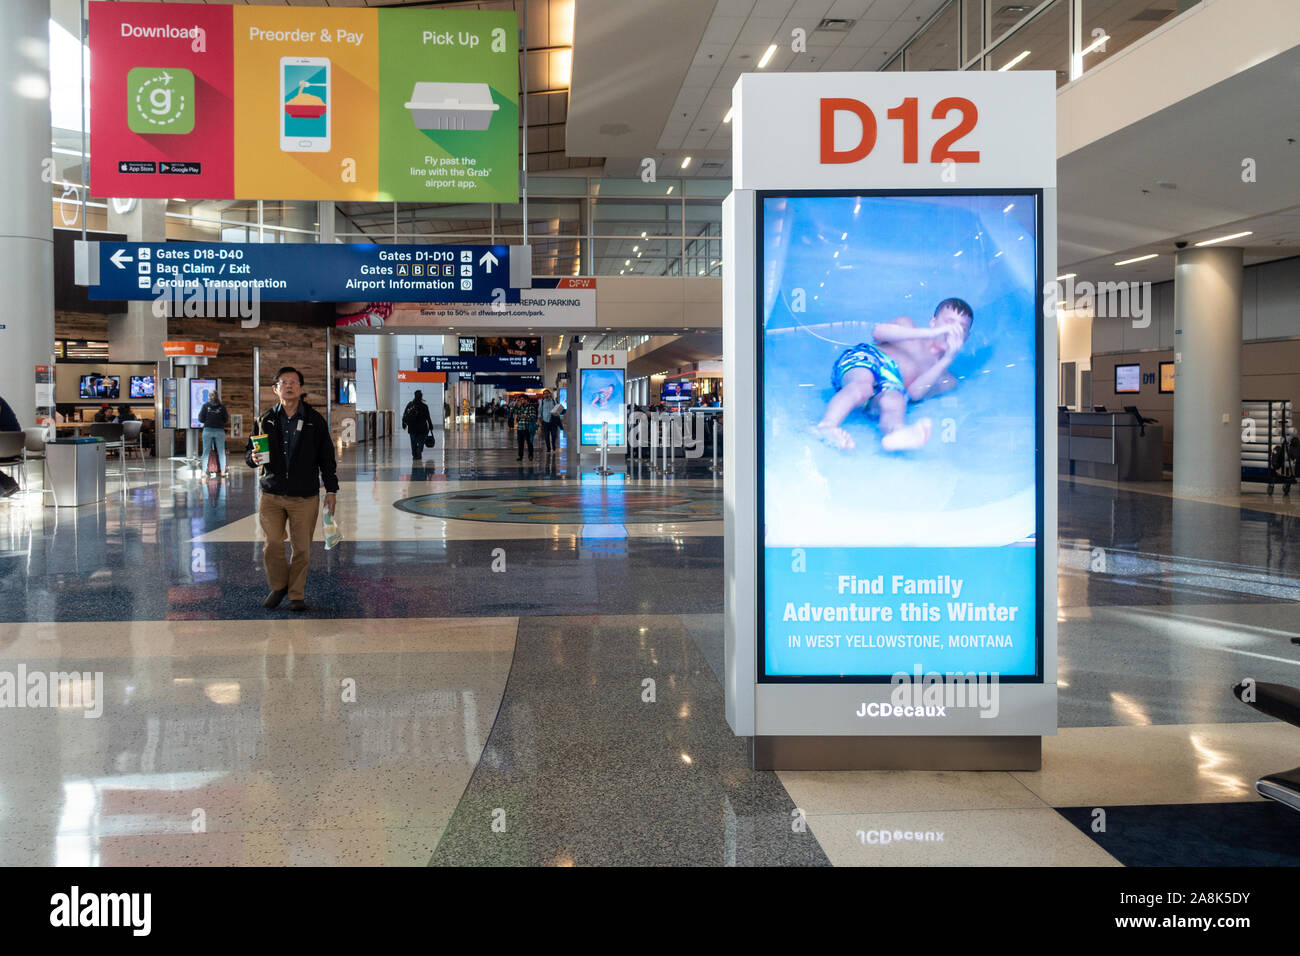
(274, 512)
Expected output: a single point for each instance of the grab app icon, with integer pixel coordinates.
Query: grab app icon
(160, 100)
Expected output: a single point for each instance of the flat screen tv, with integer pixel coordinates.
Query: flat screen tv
(1128, 379)
(100, 386)
(142, 386)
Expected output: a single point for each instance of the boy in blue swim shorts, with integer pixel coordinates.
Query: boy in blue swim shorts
(902, 363)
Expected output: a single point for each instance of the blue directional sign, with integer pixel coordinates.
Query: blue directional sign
(305, 272)
(482, 364)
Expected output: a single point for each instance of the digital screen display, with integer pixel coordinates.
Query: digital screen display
(142, 386)
(1166, 378)
(1128, 379)
(900, 428)
(562, 400)
(201, 391)
(100, 386)
(600, 392)
(498, 345)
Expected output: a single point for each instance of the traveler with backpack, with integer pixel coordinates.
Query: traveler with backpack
(418, 424)
(214, 418)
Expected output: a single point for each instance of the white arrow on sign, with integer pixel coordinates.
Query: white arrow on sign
(488, 261)
(120, 257)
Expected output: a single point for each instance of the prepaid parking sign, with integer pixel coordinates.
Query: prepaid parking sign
(884, 349)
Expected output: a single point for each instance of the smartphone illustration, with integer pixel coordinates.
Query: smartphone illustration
(304, 104)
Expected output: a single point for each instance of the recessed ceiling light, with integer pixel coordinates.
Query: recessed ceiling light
(686, 161)
(727, 118)
(1235, 235)
(767, 57)
(1068, 275)
(1013, 62)
(1127, 262)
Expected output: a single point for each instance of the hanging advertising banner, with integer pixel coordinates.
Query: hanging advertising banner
(884, 350)
(260, 102)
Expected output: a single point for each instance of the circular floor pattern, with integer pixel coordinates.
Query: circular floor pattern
(599, 504)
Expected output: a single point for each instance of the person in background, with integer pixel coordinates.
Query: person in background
(550, 424)
(105, 414)
(300, 457)
(124, 414)
(8, 423)
(418, 424)
(214, 418)
(525, 414)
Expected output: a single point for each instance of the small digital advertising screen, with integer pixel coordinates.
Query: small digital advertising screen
(142, 386)
(900, 433)
(100, 386)
(201, 391)
(600, 394)
(1166, 378)
(1128, 379)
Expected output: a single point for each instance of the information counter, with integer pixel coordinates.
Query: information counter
(1110, 445)
(74, 470)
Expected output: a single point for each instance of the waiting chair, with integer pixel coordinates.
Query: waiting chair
(131, 432)
(13, 449)
(1283, 703)
(111, 433)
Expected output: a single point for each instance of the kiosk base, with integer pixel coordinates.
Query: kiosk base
(896, 753)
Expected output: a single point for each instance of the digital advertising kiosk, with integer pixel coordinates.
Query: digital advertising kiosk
(600, 402)
(889, 343)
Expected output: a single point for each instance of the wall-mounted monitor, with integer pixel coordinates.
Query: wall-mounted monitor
(142, 386)
(1128, 379)
(1166, 378)
(352, 358)
(100, 386)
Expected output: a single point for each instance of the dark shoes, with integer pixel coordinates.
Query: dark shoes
(274, 598)
(297, 605)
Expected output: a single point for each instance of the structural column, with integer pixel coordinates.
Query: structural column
(1207, 356)
(386, 374)
(26, 233)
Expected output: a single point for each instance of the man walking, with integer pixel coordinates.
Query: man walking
(299, 450)
(418, 424)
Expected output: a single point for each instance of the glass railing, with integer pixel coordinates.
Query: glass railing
(1068, 37)
(577, 225)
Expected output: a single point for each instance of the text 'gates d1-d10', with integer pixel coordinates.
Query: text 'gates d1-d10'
(261, 102)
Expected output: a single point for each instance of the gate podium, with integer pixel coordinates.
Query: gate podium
(890, 343)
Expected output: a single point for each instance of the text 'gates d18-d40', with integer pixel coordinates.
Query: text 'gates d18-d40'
(888, 528)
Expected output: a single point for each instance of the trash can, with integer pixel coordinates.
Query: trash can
(74, 471)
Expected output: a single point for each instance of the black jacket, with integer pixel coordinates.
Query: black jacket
(314, 455)
(217, 410)
(416, 418)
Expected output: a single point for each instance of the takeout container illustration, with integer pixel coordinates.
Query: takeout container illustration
(465, 106)
(304, 105)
